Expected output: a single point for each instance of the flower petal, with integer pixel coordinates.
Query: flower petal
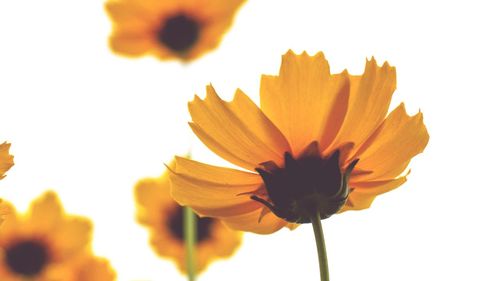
(213, 191)
(237, 131)
(6, 160)
(268, 224)
(365, 192)
(369, 100)
(302, 99)
(131, 43)
(73, 236)
(46, 212)
(389, 150)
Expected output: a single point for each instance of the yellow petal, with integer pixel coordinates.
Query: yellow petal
(6, 160)
(237, 131)
(305, 100)
(153, 193)
(369, 100)
(46, 212)
(268, 224)
(128, 15)
(95, 269)
(213, 191)
(73, 236)
(389, 150)
(132, 43)
(365, 192)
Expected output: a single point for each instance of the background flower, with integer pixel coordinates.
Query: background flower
(183, 29)
(164, 218)
(45, 243)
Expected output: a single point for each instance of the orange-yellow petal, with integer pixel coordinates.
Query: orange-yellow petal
(237, 131)
(389, 150)
(364, 193)
(95, 269)
(369, 100)
(73, 236)
(213, 191)
(153, 193)
(268, 224)
(131, 43)
(302, 99)
(46, 212)
(6, 160)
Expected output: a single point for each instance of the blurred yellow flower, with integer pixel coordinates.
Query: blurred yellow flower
(46, 244)
(164, 218)
(169, 29)
(320, 143)
(6, 160)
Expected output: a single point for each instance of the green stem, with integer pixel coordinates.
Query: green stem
(320, 246)
(190, 242)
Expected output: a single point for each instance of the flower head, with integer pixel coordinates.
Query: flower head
(320, 143)
(164, 218)
(183, 29)
(45, 243)
(6, 160)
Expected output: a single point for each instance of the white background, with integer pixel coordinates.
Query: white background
(89, 124)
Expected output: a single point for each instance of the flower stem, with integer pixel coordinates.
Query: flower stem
(320, 246)
(190, 242)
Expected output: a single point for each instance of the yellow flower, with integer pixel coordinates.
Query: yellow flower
(6, 160)
(164, 218)
(168, 29)
(319, 143)
(45, 244)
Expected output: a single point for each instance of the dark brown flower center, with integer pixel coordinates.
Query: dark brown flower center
(305, 186)
(179, 33)
(27, 258)
(176, 226)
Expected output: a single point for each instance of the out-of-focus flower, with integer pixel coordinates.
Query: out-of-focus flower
(320, 143)
(46, 244)
(164, 218)
(6, 160)
(169, 29)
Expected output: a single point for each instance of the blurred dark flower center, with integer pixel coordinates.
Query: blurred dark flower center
(179, 33)
(27, 257)
(176, 227)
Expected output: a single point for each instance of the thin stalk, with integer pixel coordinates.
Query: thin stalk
(190, 242)
(320, 246)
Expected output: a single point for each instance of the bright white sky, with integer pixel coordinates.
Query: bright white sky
(89, 124)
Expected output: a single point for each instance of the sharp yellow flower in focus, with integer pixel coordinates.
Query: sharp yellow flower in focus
(320, 143)
(47, 244)
(6, 160)
(169, 29)
(164, 217)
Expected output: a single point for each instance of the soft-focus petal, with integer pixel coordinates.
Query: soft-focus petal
(73, 236)
(131, 44)
(301, 100)
(6, 160)
(95, 269)
(46, 212)
(237, 131)
(369, 100)
(388, 151)
(213, 191)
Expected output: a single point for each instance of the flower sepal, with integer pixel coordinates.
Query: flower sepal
(305, 186)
